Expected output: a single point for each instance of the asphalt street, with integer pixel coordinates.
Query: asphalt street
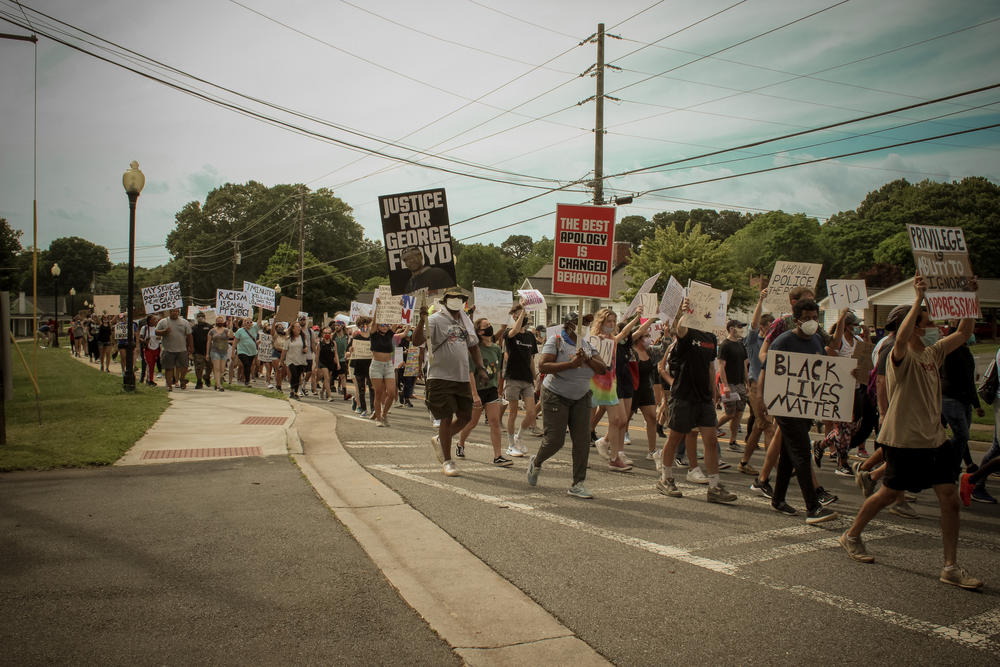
(646, 579)
(224, 562)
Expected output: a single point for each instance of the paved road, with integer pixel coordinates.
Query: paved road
(216, 562)
(647, 579)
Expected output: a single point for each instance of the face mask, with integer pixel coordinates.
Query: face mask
(608, 328)
(409, 334)
(488, 331)
(453, 304)
(930, 336)
(326, 336)
(809, 328)
(647, 341)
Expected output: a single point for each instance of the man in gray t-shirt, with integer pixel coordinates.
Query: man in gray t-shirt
(568, 362)
(451, 340)
(176, 343)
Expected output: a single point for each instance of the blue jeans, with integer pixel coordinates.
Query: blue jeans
(958, 416)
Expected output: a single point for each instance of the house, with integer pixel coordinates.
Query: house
(22, 319)
(881, 303)
(557, 305)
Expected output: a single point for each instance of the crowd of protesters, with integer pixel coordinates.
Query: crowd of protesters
(673, 381)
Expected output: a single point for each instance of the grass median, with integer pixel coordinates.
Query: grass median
(87, 419)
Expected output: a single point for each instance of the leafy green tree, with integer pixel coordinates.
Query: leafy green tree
(776, 236)
(542, 253)
(634, 229)
(79, 260)
(10, 248)
(483, 265)
(688, 254)
(325, 288)
(718, 225)
(517, 246)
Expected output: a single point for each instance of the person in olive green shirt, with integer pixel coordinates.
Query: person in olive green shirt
(486, 395)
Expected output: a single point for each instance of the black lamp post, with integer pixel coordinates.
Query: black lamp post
(55, 270)
(72, 301)
(133, 180)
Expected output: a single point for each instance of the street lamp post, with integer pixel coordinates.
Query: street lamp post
(72, 301)
(55, 270)
(133, 180)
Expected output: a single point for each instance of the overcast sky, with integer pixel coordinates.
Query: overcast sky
(494, 88)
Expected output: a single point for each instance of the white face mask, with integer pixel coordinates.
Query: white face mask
(608, 328)
(809, 328)
(930, 336)
(453, 304)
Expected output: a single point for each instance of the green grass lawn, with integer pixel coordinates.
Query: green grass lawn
(983, 348)
(87, 419)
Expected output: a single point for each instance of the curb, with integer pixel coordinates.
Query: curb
(483, 617)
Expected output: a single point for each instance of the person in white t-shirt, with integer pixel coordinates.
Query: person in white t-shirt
(150, 347)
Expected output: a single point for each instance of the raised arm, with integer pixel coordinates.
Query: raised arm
(905, 331)
(418, 331)
(755, 320)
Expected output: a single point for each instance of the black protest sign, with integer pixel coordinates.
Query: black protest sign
(417, 238)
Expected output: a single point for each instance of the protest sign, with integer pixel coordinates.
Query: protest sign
(288, 309)
(361, 349)
(107, 304)
(265, 346)
(342, 318)
(605, 348)
(646, 287)
(121, 331)
(412, 367)
(192, 311)
(532, 298)
(359, 309)
(492, 303)
(160, 298)
(397, 357)
(408, 305)
(721, 319)
(809, 386)
(649, 303)
(417, 221)
(703, 308)
(260, 296)
(673, 296)
(851, 294)
(554, 330)
(863, 353)
(785, 277)
(942, 258)
(232, 303)
(388, 308)
(584, 251)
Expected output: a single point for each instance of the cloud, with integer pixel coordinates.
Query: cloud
(201, 182)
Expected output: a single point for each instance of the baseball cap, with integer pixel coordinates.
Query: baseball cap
(896, 317)
(454, 291)
(571, 316)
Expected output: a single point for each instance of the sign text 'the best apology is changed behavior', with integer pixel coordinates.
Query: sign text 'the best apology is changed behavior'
(584, 251)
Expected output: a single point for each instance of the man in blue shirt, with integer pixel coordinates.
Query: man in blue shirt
(762, 422)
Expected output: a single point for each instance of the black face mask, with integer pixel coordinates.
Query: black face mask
(488, 331)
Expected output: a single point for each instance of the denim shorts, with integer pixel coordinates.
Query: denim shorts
(382, 370)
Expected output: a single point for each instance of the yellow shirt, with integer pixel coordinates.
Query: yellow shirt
(913, 418)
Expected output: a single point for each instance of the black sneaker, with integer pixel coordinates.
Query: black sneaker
(825, 497)
(763, 487)
(820, 514)
(460, 451)
(817, 447)
(659, 431)
(784, 508)
(501, 462)
(198, 386)
(593, 438)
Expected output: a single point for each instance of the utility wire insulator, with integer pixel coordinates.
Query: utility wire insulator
(588, 70)
(614, 67)
(582, 102)
(613, 99)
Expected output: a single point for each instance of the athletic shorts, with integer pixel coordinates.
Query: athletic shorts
(171, 360)
(644, 395)
(686, 416)
(918, 469)
(489, 395)
(382, 370)
(446, 398)
(518, 390)
(625, 388)
(332, 367)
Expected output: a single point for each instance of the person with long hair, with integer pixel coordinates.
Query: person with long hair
(486, 397)
(339, 336)
(645, 395)
(217, 350)
(361, 366)
(294, 356)
(104, 343)
(328, 362)
(605, 389)
(279, 341)
(382, 370)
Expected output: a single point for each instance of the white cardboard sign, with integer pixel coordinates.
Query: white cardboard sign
(232, 303)
(646, 288)
(671, 302)
(260, 296)
(605, 348)
(160, 298)
(785, 277)
(844, 293)
(492, 303)
(388, 308)
(809, 386)
(359, 309)
(532, 298)
(703, 308)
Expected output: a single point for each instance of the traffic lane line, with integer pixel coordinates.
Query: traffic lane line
(966, 637)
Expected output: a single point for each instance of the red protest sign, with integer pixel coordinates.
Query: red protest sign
(584, 241)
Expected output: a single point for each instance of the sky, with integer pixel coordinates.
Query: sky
(485, 89)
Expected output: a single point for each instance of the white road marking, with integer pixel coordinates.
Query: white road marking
(969, 637)
(986, 623)
(798, 548)
(395, 445)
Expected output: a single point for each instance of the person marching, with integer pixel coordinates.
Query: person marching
(487, 397)
(217, 349)
(519, 380)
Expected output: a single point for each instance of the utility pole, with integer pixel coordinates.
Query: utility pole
(236, 260)
(302, 239)
(599, 121)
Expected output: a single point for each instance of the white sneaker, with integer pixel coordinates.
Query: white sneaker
(436, 422)
(628, 440)
(658, 459)
(517, 443)
(626, 459)
(696, 476)
(650, 456)
(449, 469)
(270, 386)
(603, 448)
(724, 466)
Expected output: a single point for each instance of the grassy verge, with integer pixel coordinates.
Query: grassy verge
(983, 348)
(270, 393)
(86, 417)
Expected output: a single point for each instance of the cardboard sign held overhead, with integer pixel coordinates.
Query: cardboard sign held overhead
(532, 298)
(646, 288)
(288, 309)
(107, 304)
(703, 308)
(649, 302)
(494, 304)
(942, 258)
(417, 239)
(851, 294)
(161, 298)
(232, 303)
(809, 386)
(359, 309)
(785, 277)
(361, 349)
(260, 296)
(605, 348)
(673, 296)
(584, 251)
(388, 308)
